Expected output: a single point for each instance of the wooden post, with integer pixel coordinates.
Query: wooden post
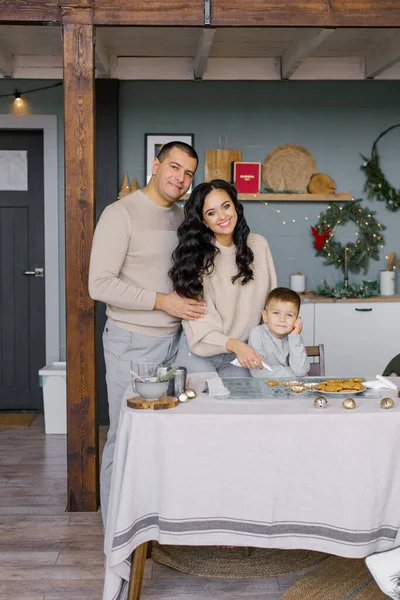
(79, 132)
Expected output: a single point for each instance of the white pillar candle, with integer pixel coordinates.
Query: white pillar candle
(298, 282)
(387, 283)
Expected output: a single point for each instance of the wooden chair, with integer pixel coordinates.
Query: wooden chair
(317, 364)
(137, 571)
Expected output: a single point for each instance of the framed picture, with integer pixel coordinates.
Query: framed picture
(153, 142)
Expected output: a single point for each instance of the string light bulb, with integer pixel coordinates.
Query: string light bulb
(17, 99)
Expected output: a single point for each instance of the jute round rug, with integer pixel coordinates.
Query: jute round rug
(232, 563)
(336, 579)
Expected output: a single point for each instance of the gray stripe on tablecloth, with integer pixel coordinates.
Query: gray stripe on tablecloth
(252, 528)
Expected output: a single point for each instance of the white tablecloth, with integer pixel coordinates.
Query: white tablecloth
(267, 473)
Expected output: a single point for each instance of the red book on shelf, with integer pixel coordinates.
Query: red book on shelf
(247, 177)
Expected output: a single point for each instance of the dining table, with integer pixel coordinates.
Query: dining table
(262, 467)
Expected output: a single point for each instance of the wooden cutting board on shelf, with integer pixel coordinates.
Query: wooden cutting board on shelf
(219, 163)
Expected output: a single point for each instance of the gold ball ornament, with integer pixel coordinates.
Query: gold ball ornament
(387, 403)
(349, 403)
(183, 397)
(190, 393)
(320, 402)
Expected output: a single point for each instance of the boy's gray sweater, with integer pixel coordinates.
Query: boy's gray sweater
(287, 357)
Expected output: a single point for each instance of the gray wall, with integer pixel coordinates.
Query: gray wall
(335, 121)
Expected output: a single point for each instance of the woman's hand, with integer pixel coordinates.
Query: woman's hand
(246, 355)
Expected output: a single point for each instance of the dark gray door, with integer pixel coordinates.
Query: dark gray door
(22, 296)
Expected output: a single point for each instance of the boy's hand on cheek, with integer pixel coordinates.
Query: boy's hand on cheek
(298, 325)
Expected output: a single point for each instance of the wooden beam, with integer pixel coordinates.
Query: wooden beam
(301, 48)
(102, 56)
(29, 11)
(383, 57)
(224, 13)
(79, 135)
(305, 13)
(202, 53)
(6, 62)
(149, 12)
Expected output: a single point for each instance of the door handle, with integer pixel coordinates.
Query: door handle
(363, 309)
(38, 272)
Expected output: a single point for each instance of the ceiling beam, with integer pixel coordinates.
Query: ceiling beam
(203, 52)
(173, 13)
(383, 57)
(6, 62)
(305, 13)
(29, 11)
(102, 56)
(153, 68)
(301, 48)
(224, 13)
(245, 69)
(37, 67)
(239, 69)
(350, 68)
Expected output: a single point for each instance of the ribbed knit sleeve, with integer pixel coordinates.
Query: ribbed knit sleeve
(233, 309)
(107, 259)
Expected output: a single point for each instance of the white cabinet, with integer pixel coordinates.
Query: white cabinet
(359, 338)
(307, 315)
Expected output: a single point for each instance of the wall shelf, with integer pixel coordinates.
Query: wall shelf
(338, 197)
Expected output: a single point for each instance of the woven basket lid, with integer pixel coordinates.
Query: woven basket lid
(288, 167)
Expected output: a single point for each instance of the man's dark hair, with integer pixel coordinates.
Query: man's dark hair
(284, 295)
(166, 149)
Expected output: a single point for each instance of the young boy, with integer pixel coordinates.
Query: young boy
(278, 341)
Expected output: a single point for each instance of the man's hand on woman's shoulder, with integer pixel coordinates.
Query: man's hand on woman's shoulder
(182, 308)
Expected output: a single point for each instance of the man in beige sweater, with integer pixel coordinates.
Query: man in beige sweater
(129, 264)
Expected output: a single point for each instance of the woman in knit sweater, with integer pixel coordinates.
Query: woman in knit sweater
(219, 261)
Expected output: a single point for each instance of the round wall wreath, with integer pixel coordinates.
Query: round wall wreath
(369, 236)
(376, 185)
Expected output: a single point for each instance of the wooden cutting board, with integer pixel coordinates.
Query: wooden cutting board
(218, 164)
(162, 404)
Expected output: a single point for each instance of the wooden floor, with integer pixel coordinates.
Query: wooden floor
(48, 554)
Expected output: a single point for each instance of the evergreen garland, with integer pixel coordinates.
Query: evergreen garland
(376, 185)
(359, 252)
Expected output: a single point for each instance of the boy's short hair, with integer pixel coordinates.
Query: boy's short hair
(284, 295)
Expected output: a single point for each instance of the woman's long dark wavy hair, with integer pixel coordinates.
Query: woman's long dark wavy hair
(194, 256)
